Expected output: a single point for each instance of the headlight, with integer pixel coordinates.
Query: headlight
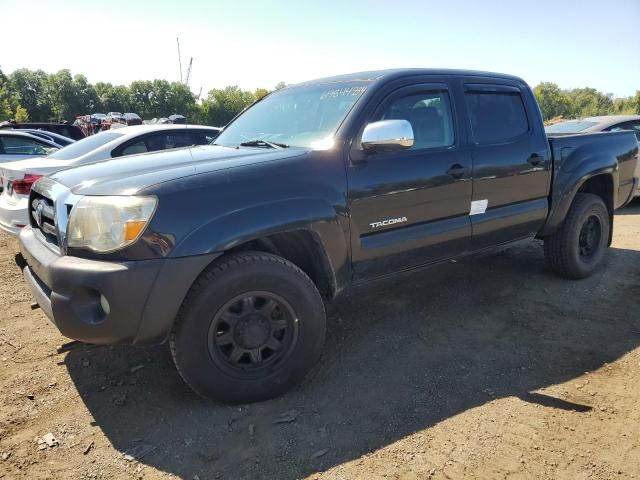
(106, 224)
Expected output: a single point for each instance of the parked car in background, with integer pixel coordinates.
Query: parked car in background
(130, 119)
(108, 144)
(604, 123)
(60, 140)
(65, 129)
(113, 116)
(18, 145)
(177, 119)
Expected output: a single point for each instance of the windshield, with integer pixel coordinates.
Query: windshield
(306, 116)
(84, 146)
(573, 126)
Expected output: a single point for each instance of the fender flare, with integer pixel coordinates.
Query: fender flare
(234, 228)
(568, 180)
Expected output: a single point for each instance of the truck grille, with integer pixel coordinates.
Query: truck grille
(43, 218)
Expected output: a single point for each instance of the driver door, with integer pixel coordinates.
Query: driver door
(410, 207)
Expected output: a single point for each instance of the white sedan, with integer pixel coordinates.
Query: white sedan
(18, 145)
(17, 177)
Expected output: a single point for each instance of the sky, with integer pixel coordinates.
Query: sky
(258, 43)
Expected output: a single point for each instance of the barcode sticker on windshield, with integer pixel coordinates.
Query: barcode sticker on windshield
(343, 92)
(478, 207)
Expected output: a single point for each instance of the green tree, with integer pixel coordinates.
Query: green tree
(160, 99)
(85, 99)
(221, 105)
(112, 98)
(6, 98)
(141, 98)
(33, 94)
(587, 102)
(21, 114)
(61, 92)
(260, 93)
(552, 100)
(10, 107)
(280, 86)
(635, 102)
(622, 106)
(181, 101)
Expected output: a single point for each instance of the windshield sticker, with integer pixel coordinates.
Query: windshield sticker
(343, 92)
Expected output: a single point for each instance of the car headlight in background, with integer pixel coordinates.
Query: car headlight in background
(106, 224)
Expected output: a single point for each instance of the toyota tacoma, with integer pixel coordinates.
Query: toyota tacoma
(229, 252)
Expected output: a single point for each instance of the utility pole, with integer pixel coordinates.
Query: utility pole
(179, 59)
(186, 82)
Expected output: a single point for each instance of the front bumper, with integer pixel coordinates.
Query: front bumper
(108, 302)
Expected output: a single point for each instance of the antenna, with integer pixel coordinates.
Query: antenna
(179, 59)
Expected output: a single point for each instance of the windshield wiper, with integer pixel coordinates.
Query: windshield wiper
(263, 143)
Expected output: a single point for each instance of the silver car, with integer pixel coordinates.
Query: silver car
(604, 123)
(18, 177)
(18, 145)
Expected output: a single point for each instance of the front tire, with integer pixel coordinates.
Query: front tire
(251, 326)
(577, 248)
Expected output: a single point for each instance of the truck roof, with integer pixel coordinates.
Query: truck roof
(394, 73)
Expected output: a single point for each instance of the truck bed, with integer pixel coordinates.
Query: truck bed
(615, 152)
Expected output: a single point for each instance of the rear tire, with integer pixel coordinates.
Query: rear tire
(577, 248)
(251, 326)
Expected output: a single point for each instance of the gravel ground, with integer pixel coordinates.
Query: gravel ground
(487, 368)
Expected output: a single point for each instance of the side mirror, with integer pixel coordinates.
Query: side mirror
(387, 135)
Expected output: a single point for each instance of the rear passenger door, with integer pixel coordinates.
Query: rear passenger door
(511, 163)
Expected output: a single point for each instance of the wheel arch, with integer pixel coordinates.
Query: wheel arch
(306, 231)
(601, 185)
(303, 248)
(601, 182)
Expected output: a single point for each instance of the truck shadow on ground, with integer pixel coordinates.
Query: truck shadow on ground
(400, 357)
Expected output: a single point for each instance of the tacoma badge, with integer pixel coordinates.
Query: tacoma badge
(389, 221)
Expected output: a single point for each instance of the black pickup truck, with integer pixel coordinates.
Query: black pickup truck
(229, 251)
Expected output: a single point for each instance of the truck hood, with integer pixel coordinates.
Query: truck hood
(128, 175)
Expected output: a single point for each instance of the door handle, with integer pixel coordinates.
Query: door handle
(457, 170)
(535, 159)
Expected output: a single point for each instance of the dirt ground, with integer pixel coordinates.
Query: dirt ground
(486, 368)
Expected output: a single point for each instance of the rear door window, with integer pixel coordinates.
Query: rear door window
(21, 146)
(133, 148)
(496, 117)
(163, 141)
